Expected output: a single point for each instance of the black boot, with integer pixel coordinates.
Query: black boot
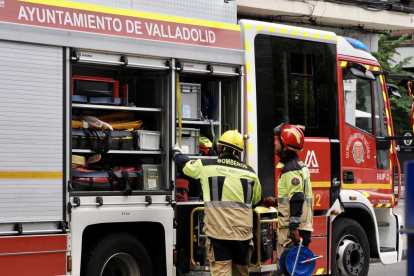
(277, 273)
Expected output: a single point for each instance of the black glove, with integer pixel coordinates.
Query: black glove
(306, 237)
(179, 158)
(294, 236)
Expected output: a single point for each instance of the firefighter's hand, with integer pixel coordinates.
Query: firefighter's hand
(269, 202)
(294, 236)
(175, 150)
(306, 236)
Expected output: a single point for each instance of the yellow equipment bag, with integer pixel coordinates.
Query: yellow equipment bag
(118, 116)
(114, 121)
(121, 125)
(78, 124)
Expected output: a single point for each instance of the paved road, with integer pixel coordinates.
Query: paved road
(378, 269)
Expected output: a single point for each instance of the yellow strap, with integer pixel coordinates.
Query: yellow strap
(179, 109)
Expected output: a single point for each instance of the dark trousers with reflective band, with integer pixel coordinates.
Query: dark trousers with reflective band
(229, 257)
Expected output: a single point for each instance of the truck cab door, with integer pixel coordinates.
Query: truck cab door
(364, 123)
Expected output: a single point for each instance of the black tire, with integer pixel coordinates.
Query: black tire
(117, 254)
(349, 241)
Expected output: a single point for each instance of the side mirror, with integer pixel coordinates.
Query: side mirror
(378, 73)
(383, 144)
(393, 90)
(360, 71)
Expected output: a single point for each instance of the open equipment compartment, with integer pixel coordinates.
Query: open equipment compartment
(119, 129)
(220, 112)
(220, 104)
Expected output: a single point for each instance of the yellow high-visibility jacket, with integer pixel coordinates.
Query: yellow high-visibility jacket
(295, 200)
(230, 188)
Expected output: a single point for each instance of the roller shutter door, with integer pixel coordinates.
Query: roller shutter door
(31, 132)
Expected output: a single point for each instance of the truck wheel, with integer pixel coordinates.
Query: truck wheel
(350, 248)
(118, 254)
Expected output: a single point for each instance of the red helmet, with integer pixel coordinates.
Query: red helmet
(290, 136)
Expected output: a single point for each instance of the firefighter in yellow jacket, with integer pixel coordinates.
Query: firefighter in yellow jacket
(294, 189)
(230, 189)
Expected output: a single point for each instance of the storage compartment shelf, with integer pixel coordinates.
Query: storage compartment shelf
(195, 122)
(107, 107)
(121, 151)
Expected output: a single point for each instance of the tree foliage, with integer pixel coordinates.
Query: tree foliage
(400, 108)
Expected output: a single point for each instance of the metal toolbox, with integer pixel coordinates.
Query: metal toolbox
(149, 140)
(152, 177)
(190, 100)
(95, 87)
(94, 90)
(189, 140)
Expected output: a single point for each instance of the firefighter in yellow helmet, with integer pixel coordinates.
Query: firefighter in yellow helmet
(230, 189)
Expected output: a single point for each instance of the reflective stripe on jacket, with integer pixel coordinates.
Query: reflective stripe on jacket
(295, 198)
(230, 188)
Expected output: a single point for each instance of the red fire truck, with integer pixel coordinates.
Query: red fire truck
(88, 114)
(336, 89)
(101, 202)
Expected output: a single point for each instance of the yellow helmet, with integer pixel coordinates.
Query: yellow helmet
(232, 139)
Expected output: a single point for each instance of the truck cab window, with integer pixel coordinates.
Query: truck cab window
(381, 125)
(357, 101)
(302, 98)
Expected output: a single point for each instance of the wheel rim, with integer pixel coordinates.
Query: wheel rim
(120, 264)
(349, 256)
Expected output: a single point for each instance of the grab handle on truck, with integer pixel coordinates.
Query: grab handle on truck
(348, 177)
(192, 262)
